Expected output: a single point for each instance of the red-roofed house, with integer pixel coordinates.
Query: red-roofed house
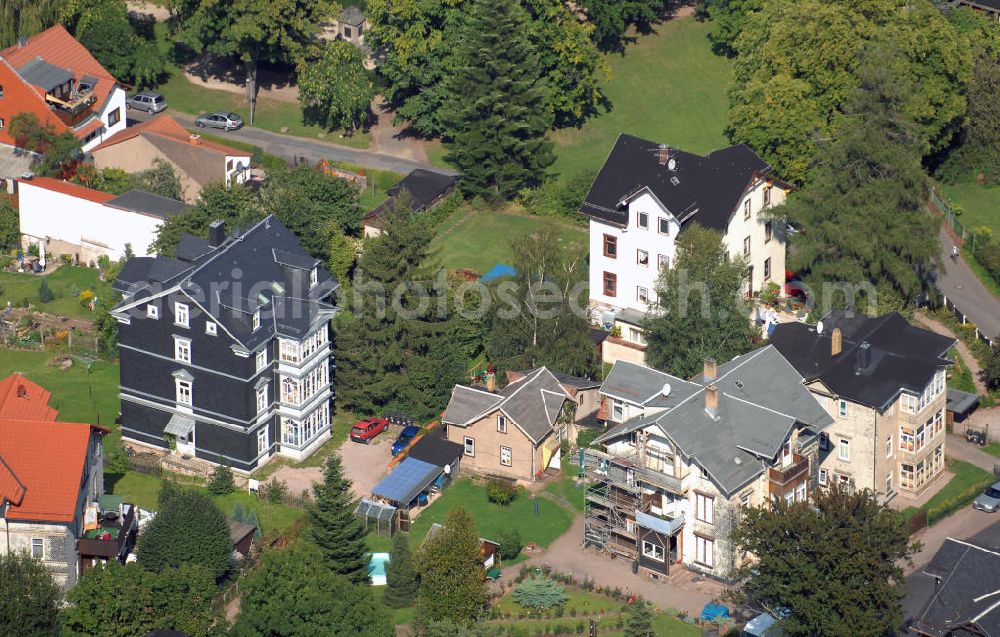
(198, 162)
(53, 76)
(51, 480)
(21, 399)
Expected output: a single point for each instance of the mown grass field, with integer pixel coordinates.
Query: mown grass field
(668, 87)
(15, 287)
(980, 205)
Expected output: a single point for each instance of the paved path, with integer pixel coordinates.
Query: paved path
(960, 285)
(964, 523)
(963, 350)
(289, 147)
(959, 449)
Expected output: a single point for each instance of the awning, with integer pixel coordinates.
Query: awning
(179, 425)
(960, 402)
(406, 481)
(661, 526)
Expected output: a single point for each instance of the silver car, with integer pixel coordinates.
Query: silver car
(989, 500)
(225, 121)
(148, 101)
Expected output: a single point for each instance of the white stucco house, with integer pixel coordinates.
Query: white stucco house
(645, 195)
(71, 219)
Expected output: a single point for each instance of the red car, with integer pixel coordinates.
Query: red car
(365, 430)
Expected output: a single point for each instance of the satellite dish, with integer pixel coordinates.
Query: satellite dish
(666, 389)
(671, 164)
(819, 327)
(447, 470)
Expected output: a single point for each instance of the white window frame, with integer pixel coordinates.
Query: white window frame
(652, 551)
(746, 209)
(842, 408)
(888, 446)
(260, 360)
(211, 328)
(641, 294)
(313, 277)
(704, 551)
(263, 442)
(262, 401)
(659, 226)
(822, 477)
(152, 312)
(255, 321)
(469, 447)
(642, 220)
(502, 424)
(182, 315)
(39, 544)
(704, 508)
(844, 450)
(888, 483)
(182, 350)
(184, 391)
(642, 257)
(506, 457)
(800, 492)
(617, 410)
(289, 351)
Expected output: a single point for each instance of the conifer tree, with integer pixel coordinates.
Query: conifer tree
(334, 528)
(497, 110)
(639, 620)
(452, 581)
(401, 575)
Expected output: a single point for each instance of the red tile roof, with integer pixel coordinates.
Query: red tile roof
(47, 460)
(67, 188)
(21, 97)
(165, 126)
(21, 399)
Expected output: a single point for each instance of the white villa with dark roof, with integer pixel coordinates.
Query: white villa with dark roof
(645, 195)
(682, 458)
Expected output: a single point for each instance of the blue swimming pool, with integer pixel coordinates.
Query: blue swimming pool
(376, 568)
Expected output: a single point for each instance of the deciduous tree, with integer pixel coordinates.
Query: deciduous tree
(10, 225)
(334, 527)
(237, 206)
(103, 27)
(30, 597)
(699, 312)
(335, 90)
(452, 581)
(22, 18)
(834, 564)
(611, 19)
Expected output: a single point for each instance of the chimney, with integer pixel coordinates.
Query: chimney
(836, 342)
(216, 233)
(663, 154)
(712, 401)
(864, 356)
(710, 370)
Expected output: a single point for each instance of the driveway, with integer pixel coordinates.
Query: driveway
(365, 465)
(290, 148)
(969, 295)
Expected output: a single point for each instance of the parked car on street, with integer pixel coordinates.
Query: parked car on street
(989, 499)
(149, 101)
(225, 121)
(365, 430)
(404, 438)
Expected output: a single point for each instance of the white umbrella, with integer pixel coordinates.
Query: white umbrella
(41, 254)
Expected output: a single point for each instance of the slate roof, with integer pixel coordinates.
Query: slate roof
(761, 398)
(288, 305)
(703, 189)
(424, 188)
(532, 403)
(148, 203)
(967, 601)
(993, 5)
(45, 76)
(190, 248)
(566, 380)
(902, 356)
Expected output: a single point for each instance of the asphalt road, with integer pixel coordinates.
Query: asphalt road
(289, 147)
(963, 289)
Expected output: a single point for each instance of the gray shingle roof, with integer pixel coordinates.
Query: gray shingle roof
(148, 203)
(42, 74)
(966, 602)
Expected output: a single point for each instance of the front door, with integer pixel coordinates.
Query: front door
(185, 444)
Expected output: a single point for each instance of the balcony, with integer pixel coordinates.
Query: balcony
(110, 539)
(624, 472)
(783, 476)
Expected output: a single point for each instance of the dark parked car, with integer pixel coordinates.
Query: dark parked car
(404, 438)
(365, 430)
(988, 500)
(148, 101)
(225, 121)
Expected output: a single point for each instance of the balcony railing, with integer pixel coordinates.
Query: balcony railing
(784, 475)
(108, 540)
(624, 472)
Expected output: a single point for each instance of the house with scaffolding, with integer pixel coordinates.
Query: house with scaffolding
(681, 460)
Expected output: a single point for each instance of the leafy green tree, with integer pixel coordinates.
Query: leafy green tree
(334, 528)
(863, 215)
(10, 225)
(452, 581)
(292, 594)
(103, 27)
(221, 482)
(511, 543)
(185, 514)
(699, 313)
(861, 546)
(237, 206)
(340, 259)
(497, 116)
(30, 597)
(60, 151)
(113, 180)
(401, 581)
(639, 620)
(335, 90)
(611, 19)
(107, 326)
(991, 368)
(402, 345)
(313, 205)
(797, 65)
(112, 600)
(728, 19)
(543, 328)
(251, 30)
(160, 180)
(20, 18)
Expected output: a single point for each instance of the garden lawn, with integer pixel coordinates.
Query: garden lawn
(15, 287)
(340, 426)
(962, 489)
(271, 114)
(668, 87)
(980, 205)
(993, 448)
(143, 490)
(79, 396)
(565, 486)
(481, 238)
(960, 377)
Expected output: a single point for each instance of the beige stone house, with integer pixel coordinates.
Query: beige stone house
(585, 399)
(515, 432)
(884, 383)
(198, 162)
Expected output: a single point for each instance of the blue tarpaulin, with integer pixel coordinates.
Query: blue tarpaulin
(711, 612)
(406, 481)
(498, 271)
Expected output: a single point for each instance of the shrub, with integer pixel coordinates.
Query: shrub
(539, 593)
(501, 492)
(74, 291)
(275, 490)
(221, 481)
(45, 295)
(510, 543)
(66, 259)
(86, 297)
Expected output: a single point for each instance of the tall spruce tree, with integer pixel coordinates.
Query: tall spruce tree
(863, 215)
(639, 620)
(399, 345)
(699, 314)
(401, 575)
(497, 110)
(334, 528)
(452, 581)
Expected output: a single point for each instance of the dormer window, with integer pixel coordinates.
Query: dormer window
(313, 277)
(181, 314)
(152, 312)
(255, 321)
(211, 328)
